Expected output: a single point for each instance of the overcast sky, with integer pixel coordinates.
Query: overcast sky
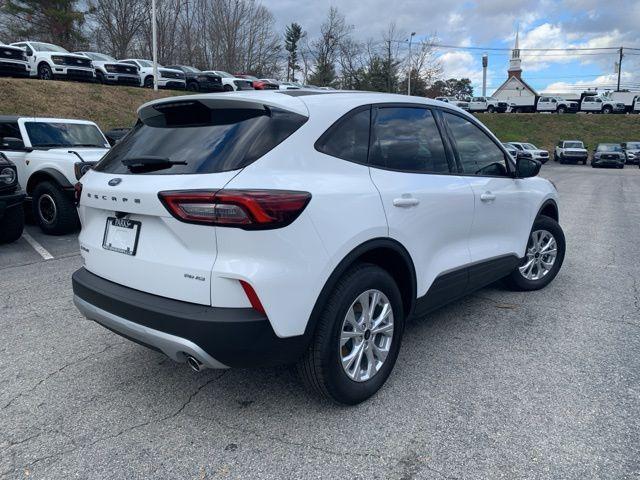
(492, 23)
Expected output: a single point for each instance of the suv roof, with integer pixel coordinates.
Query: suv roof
(303, 101)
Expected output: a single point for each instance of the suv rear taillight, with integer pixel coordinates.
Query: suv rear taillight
(246, 209)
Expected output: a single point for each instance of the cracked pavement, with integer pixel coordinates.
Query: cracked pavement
(498, 385)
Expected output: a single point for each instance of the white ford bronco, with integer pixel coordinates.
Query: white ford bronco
(51, 155)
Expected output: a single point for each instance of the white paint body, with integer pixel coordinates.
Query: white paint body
(351, 203)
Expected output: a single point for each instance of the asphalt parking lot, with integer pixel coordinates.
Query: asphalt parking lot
(498, 385)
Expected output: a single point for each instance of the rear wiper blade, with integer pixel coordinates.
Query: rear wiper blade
(149, 163)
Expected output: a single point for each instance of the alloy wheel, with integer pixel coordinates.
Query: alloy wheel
(366, 335)
(542, 251)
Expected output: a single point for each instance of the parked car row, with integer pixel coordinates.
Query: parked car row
(609, 102)
(47, 62)
(615, 155)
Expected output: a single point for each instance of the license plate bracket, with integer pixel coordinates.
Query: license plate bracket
(121, 235)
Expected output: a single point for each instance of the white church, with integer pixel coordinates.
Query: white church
(515, 89)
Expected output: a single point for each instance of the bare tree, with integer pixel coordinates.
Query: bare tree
(333, 32)
(117, 24)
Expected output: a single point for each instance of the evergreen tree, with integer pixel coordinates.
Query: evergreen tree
(55, 21)
(292, 36)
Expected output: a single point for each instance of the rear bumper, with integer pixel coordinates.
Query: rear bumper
(217, 337)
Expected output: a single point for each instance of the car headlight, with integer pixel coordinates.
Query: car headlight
(8, 176)
(80, 168)
(110, 68)
(57, 60)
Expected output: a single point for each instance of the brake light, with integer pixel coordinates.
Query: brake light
(246, 209)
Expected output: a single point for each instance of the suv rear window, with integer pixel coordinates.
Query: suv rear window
(202, 140)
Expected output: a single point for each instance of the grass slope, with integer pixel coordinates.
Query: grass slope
(544, 130)
(107, 105)
(115, 106)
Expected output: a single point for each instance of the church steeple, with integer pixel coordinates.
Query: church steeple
(515, 68)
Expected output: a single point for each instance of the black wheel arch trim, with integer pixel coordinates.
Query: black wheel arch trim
(47, 174)
(351, 259)
(549, 203)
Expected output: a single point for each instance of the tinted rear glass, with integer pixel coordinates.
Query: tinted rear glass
(203, 140)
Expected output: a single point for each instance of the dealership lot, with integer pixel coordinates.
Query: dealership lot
(498, 385)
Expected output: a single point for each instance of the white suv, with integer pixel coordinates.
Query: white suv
(49, 62)
(256, 228)
(51, 154)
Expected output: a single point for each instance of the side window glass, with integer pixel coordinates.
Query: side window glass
(9, 130)
(407, 139)
(478, 153)
(349, 138)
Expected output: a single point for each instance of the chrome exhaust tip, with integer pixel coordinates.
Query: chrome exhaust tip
(194, 363)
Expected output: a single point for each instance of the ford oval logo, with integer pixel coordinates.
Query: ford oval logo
(114, 181)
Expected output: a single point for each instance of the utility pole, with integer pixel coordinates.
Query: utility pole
(485, 63)
(409, 76)
(154, 42)
(619, 68)
(388, 66)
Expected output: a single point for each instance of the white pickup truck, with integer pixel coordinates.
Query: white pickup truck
(13, 61)
(487, 104)
(464, 105)
(51, 155)
(49, 62)
(601, 103)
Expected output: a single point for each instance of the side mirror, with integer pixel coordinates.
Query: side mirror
(12, 143)
(527, 167)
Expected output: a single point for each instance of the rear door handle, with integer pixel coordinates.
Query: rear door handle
(405, 202)
(487, 197)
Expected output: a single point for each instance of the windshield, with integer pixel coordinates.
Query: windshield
(529, 146)
(47, 47)
(146, 63)
(51, 135)
(573, 145)
(609, 147)
(223, 74)
(633, 145)
(99, 57)
(192, 69)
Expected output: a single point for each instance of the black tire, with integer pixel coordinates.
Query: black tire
(62, 218)
(562, 160)
(561, 110)
(100, 76)
(12, 224)
(228, 88)
(44, 72)
(555, 156)
(320, 368)
(491, 109)
(148, 81)
(516, 281)
(584, 162)
(607, 109)
(193, 86)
